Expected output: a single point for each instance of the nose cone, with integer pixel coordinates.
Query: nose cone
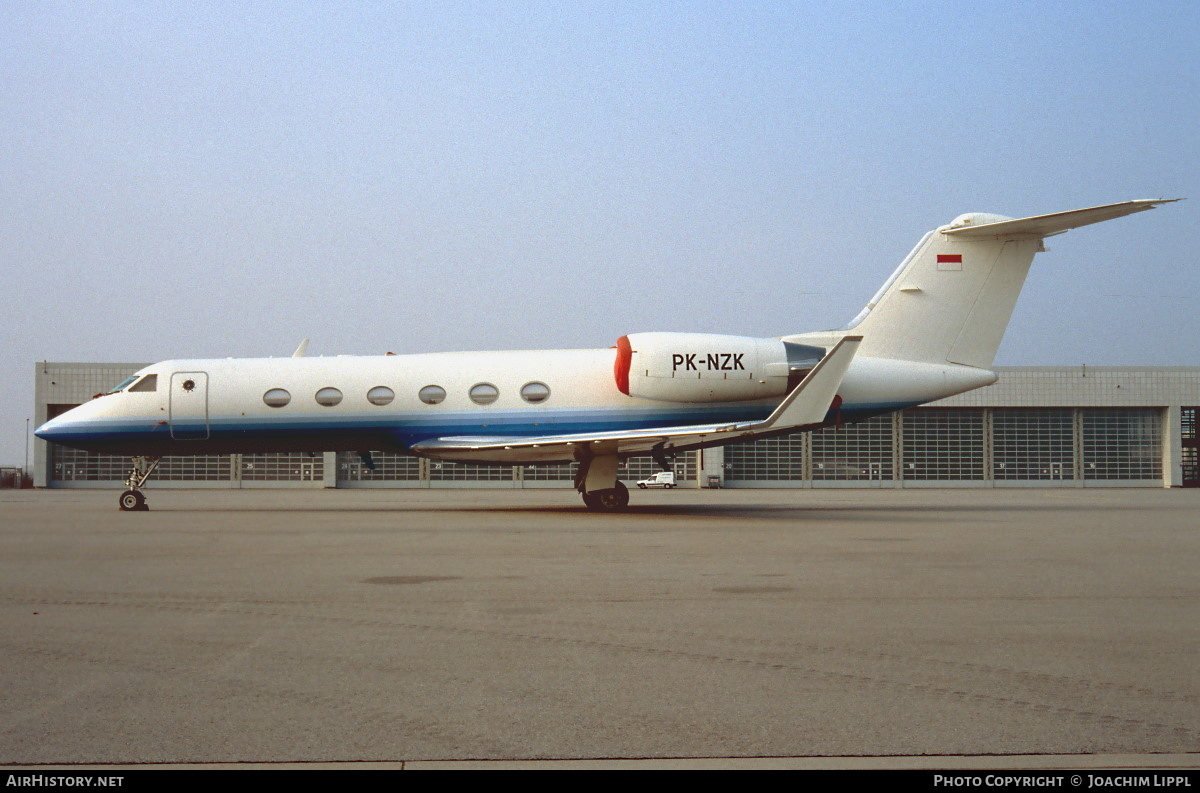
(73, 428)
(49, 430)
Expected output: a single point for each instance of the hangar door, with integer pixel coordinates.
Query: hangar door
(1191, 449)
(189, 406)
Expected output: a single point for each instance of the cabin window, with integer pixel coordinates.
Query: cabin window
(484, 393)
(328, 397)
(381, 395)
(535, 392)
(147, 383)
(432, 394)
(277, 398)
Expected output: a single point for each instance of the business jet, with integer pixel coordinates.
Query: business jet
(931, 331)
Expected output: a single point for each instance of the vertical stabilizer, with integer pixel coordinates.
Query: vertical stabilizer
(952, 297)
(950, 303)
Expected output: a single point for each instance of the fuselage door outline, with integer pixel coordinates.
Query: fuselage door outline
(188, 406)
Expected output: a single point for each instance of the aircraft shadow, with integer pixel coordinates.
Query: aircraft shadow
(893, 512)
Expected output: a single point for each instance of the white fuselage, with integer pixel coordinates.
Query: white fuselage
(217, 406)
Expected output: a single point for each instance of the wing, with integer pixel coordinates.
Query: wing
(806, 406)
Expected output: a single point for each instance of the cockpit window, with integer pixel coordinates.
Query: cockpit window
(147, 383)
(122, 385)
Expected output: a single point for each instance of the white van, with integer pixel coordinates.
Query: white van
(661, 479)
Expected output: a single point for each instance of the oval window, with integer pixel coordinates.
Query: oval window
(328, 397)
(535, 392)
(432, 394)
(484, 394)
(277, 398)
(381, 395)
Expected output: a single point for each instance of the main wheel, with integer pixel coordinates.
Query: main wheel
(132, 501)
(611, 500)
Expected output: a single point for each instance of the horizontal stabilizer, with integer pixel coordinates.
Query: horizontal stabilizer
(1046, 225)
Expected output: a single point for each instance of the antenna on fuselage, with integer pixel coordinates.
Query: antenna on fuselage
(301, 350)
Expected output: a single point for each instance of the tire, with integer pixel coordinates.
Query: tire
(132, 501)
(612, 500)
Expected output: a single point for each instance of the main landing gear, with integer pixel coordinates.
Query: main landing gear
(133, 500)
(598, 484)
(610, 500)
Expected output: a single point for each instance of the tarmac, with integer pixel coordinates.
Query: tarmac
(944, 628)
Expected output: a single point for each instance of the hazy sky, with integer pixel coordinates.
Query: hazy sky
(216, 179)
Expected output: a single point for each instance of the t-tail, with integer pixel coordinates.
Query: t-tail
(951, 299)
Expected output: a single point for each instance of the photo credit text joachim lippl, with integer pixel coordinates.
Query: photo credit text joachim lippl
(1083, 781)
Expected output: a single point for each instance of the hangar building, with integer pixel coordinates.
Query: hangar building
(1079, 426)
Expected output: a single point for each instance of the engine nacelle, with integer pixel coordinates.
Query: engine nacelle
(705, 367)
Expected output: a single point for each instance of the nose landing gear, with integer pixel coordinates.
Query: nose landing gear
(133, 500)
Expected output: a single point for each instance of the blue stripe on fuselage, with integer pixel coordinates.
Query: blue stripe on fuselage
(234, 434)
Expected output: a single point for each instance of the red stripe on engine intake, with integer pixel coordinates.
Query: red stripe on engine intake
(621, 365)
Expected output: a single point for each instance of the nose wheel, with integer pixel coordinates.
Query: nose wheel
(133, 501)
